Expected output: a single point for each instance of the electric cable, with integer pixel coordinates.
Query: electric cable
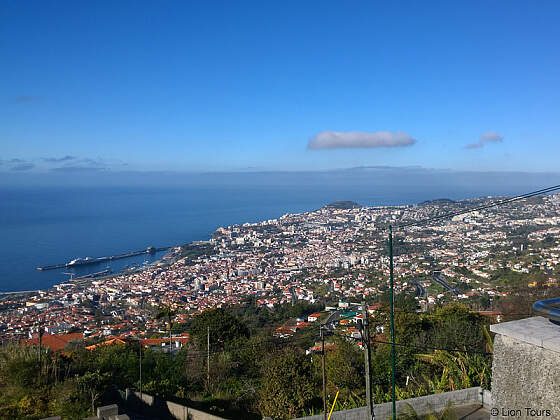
(483, 207)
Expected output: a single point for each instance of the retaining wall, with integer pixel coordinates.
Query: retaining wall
(165, 410)
(422, 405)
(526, 369)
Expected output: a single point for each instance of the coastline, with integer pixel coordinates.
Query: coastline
(262, 260)
(335, 205)
(66, 223)
(200, 224)
(87, 281)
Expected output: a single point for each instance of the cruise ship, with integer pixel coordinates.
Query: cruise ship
(82, 261)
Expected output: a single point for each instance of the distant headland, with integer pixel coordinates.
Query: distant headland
(343, 205)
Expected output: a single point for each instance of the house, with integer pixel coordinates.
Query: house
(163, 343)
(496, 316)
(313, 317)
(285, 331)
(54, 342)
(109, 342)
(317, 348)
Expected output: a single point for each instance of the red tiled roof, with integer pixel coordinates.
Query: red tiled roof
(155, 341)
(54, 342)
(328, 346)
(286, 330)
(106, 343)
(490, 313)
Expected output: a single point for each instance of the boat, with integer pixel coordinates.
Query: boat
(89, 260)
(93, 275)
(82, 261)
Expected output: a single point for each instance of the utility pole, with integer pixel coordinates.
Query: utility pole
(324, 372)
(170, 344)
(393, 398)
(367, 354)
(140, 367)
(40, 333)
(208, 360)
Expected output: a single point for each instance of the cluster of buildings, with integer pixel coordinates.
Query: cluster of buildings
(329, 254)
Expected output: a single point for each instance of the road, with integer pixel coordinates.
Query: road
(436, 277)
(333, 317)
(420, 290)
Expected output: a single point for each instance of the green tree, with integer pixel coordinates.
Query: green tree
(94, 384)
(458, 370)
(454, 326)
(224, 328)
(167, 313)
(344, 366)
(287, 385)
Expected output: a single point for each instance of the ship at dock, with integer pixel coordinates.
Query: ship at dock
(82, 261)
(89, 260)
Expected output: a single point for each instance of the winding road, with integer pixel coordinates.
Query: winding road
(420, 290)
(438, 280)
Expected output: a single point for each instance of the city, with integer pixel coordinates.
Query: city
(279, 210)
(331, 253)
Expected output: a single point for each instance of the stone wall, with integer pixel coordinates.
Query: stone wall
(526, 370)
(422, 405)
(164, 409)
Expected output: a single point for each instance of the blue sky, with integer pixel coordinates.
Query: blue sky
(274, 86)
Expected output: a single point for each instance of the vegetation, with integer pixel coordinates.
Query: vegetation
(252, 374)
(288, 386)
(192, 251)
(343, 205)
(167, 313)
(222, 327)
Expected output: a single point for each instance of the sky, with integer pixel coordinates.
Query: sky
(137, 86)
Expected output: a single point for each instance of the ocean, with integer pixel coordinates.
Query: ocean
(52, 225)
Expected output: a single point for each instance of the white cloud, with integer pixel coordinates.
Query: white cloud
(491, 136)
(359, 139)
(488, 137)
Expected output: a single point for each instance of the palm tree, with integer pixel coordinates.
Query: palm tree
(167, 313)
(460, 370)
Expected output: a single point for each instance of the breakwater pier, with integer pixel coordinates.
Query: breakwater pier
(86, 261)
(21, 292)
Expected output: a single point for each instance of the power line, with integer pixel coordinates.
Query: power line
(484, 353)
(285, 343)
(278, 344)
(197, 354)
(426, 347)
(424, 222)
(472, 311)
(483, 207)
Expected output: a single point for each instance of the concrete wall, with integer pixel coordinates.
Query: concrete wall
(526, 370)
(164, 409)
(422, 405)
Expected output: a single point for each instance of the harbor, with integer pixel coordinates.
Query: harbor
(88, 260)
(92, 275)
